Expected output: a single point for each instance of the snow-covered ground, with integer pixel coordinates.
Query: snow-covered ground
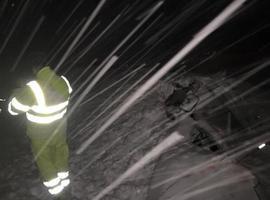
(124, 143)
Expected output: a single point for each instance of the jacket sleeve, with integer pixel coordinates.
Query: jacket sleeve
(20, 101)
(67, 86)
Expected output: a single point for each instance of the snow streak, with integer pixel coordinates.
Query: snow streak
(198, 38)
(154, 153)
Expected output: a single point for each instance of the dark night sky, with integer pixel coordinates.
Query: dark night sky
(250, 25)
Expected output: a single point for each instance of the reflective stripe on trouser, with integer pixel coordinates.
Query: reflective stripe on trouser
(52, 159)
(56, 185)
(59, 188)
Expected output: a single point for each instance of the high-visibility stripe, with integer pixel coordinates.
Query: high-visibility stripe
(63, 175)
(68, 84)
(65, 182)
(41, 107)
(56, 111)
(38, 109)
(19, 106)
(262, 146)
(45, 120)
(56, 190)
(10, 110)
(49, 109)
(37, 92)
(52, 182)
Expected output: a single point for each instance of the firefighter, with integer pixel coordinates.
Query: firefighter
(44, 102)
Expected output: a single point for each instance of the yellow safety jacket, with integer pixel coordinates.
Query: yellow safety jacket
(44, 100)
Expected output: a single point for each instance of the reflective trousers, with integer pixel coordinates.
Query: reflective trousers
(50, 149)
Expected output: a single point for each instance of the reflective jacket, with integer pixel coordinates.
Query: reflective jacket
(43, 100)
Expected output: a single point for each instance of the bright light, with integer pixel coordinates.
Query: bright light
(63, 175)
(45, 120)
(68, 84)
(65, 182)
(262, 146)
(52, 182)
(56, 190)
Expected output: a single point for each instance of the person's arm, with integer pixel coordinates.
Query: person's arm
(20, 101)
(67, 84)
(1, 100)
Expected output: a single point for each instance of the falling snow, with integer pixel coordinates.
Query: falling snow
(122, 61)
